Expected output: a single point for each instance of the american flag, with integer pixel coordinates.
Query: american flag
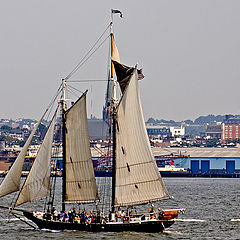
(117, 11)
(140, 74)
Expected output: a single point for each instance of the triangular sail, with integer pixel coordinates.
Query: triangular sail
(11, 182)
(80, 180)
(115, 53)
(124, 74)
(37, 184)
(137, 177)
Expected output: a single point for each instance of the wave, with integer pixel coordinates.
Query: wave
(49, 230)
(189, 220)
(235, 220)
(9, 219)
(169, 232)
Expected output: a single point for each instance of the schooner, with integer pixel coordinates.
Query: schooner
(135, 176)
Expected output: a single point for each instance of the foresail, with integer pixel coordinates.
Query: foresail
(11, 182)
(80, 180)
(137, 177)
(37, 184)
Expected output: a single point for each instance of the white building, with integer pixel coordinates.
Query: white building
(177, 131)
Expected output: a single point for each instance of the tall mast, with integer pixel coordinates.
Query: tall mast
(113, 121)
(63, 103)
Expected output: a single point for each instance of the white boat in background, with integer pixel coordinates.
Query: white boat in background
(171, 168)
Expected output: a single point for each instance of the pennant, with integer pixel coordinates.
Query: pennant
(117, 11)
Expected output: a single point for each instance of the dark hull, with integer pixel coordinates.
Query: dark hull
(144, 226)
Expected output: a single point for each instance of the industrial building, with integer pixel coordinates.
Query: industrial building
(165, 131)
(226, 160)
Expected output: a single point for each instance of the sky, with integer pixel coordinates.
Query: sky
(189, 51)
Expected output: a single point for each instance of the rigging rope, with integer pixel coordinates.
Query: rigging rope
(72, 89)
(90, 80)
(86, 57)
(21, 219)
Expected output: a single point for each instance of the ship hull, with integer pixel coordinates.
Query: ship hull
(143, 226)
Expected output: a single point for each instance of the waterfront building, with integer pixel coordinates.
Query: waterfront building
(214, 130)
(231, 129)
(200, 160)
(158, 131)
(98, 129)
(177, 131)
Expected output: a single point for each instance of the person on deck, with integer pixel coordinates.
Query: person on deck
(152, 212)
(83, 217)
(123, 215)
(70, 216)
(160, 213)
(55, 214)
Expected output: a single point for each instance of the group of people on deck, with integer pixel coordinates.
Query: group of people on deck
(83, 217)
(122, 216)
(155, 214)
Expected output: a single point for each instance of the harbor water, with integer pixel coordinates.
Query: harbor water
(212, 212)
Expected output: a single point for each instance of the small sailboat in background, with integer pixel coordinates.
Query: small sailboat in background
(135, 176)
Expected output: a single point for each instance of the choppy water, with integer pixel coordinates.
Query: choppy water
(212, 212)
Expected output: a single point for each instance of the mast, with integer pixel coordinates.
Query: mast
(113, 121)
(114, 160)
(63, 105)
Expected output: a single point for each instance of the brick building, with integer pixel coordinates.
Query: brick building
(231, 129)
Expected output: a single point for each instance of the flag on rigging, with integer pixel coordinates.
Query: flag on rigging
(117, 11)
(140, 74)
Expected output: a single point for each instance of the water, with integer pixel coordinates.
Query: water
(212, 212)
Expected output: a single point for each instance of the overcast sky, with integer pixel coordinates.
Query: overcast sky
(189, 51)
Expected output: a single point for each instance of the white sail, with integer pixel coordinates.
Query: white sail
(80, 180)
(37, 184)
(137, 177)
(11, 182)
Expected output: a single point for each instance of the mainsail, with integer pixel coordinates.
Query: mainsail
(137, 177)
(80, 180)
(37, 184)
(11, 182)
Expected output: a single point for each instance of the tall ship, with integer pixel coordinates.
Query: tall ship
(135, 176)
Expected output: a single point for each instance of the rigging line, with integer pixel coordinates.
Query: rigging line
(78, 65)
(50, 106)
(73, 93)
(73, 88)
(48, 116)
(82, 63)
(51, 196)
(90, 80)
(21, 219)
(54, 97)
